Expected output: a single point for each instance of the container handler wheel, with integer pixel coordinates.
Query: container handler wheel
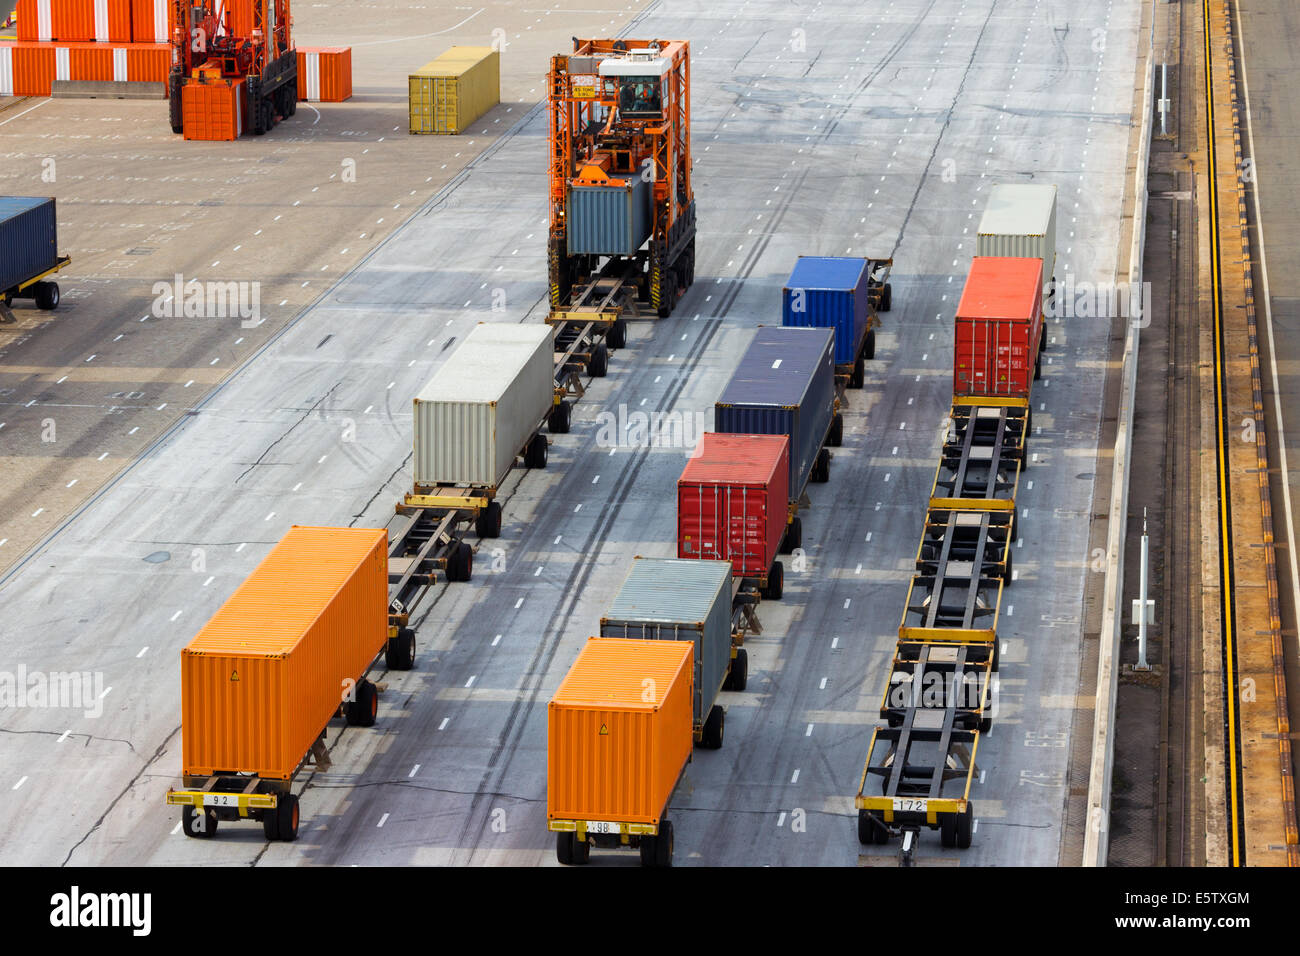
(858, 377)
(886, 299)
(667, 293)
(793, 537)
(616, 337)
(836, 436)
(775, 582)
(713, 727)
(739, 676)
(559, 419)
(488, 523)
(201, 824)
(46, 295)
(535, 455)
(821, 470)
(564, 848)
(362, 711)
(177, 115)
(399, 655)
(598, 364)
(286, 814)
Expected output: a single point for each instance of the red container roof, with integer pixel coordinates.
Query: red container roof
(1002, 287)
(725, 459)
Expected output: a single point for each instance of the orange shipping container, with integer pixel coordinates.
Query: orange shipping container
(149, 63)
(151, 21)
(75, 21)
(214, 110)
(262, 678)
(324, 74)
(91, 61)
(612, 754)
(31, 68)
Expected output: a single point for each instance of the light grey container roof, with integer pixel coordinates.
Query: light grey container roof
(670, 590)
(485, 365)
(1018, 209)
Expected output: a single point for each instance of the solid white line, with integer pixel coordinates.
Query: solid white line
(176, 615)
(19, 783)
(143, 651)
(10, 120)
(1268, 323)
(64, 736)
(104, 693)
(241, 547)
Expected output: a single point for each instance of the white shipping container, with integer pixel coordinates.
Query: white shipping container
(1020, 220)
(484, 404)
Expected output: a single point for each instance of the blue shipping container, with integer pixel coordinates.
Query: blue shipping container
(609, 220)
(830, 293)
(784, 385)
(28, 239)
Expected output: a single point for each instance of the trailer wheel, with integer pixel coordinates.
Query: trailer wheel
(286, 814)
(616, 337)
(7, 298)
(739, 676)
(362, 711)
(271, 824)
(858, 377)
(836, 436)
(535, 455)
(986, 724)
(775, 582)
(647, 848)
(1038, 367)
(46, 295)
(399, 654)
(598, 364)
(564, 848)
(664, 844)
(581, 851)
(201, 825)
(869, 346)
(713, 725)
(559, 419)
(886, 298)
(1006, 571)
(460, 565)
(793, 537)
(821, 470)
(866, 827)
(964, 829)
(948, 831)
(997, 656)
(488, 522)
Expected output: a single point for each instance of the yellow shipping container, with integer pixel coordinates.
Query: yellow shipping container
(451, 92)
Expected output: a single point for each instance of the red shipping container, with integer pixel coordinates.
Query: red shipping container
(324, 74)
(214, 110)
(151, 21)
(999, 328)
(732, 501)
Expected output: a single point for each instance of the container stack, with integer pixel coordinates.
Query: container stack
(451, 92)
(122, 41)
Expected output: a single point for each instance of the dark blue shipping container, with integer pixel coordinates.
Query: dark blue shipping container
(830, 293)
(28, 239)
(784, 385)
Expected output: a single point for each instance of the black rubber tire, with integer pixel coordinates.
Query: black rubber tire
(879, 832)
(581, 851)
(986, 724)
(488, 522)
(664, 844)
(46, 295)
(7, 299)
(887, 298)
(858, 377)
(287, 813)
(460, 564)
(821, 469)
(869, 346)
(948, 831)
(361, 712)
(564, 842)
(997, 656)
(205, 818)
(835, 437)
(1038, 367)
(775, 582)
(793, 537)
(647, 848)
(271, 824)
(711, 738)
(559, 420)
(964, 822)
(1010, 564)
(175, 84)
(535, 453)
(667, 293)
(399, 653)
(616, 337)
(291, 98)
(598, 364)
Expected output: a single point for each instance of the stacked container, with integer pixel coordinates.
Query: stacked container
(999, 328)
(785, 385)
(446, 95)
(668, 599)
(324, 74)
(732, 501)
(832, 293)
(214, 110)
(263, 677)
(151, 21)
(1020, 221)
(108, 21)
(484, 405)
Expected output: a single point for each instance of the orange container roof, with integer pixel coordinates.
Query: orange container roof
(612, 673)
(1002, 287)
(278, 602)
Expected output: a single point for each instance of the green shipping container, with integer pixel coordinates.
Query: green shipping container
(451, 92)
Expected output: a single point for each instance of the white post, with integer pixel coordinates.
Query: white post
(1143, 612)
